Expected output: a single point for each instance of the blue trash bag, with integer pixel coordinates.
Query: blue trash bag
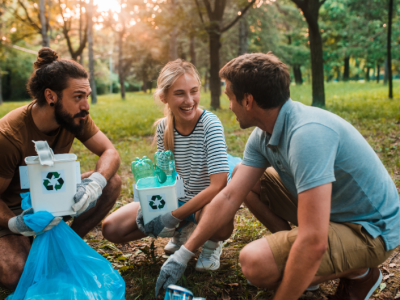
(61, 265)
(232, 162)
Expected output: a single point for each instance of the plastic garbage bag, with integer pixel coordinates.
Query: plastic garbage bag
(61, 265)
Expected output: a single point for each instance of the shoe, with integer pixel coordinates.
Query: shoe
(179, 238)
(358, 289)
(209, 257)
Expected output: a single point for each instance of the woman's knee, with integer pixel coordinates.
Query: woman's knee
(109, 228)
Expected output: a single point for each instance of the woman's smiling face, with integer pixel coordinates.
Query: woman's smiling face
(183, 98)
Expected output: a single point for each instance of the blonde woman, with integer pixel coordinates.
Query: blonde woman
(196, 137)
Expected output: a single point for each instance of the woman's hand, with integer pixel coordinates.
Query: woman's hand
(161, 226)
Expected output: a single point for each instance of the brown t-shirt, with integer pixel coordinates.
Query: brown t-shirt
(17, 131)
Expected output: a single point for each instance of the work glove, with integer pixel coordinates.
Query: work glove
(17, 224)
(87, 193)
(173, 268)
(161, 226)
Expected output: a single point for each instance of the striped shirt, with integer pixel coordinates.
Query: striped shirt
(199, 154)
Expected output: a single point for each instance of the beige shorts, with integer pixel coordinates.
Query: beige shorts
(349, 245)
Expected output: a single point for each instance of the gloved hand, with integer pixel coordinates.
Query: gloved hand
(173, 268)
(87, 193)
(161, 226)
(17, 224)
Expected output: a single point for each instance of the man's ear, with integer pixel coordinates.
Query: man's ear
(51, 97)
(249, 101)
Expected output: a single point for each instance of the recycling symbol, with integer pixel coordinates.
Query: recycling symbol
(53, 181)
(157, 202)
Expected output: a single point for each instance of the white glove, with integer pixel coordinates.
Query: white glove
(87, 193)
(17, 224)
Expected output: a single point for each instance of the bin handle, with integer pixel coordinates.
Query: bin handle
(45, 153)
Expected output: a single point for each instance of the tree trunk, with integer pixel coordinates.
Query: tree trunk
(378, 72)
(389, 50)
(310, 9)
(367, 74)
(43, 23)
(215, 81)
(1, 92)
(385, 69)
(192, 49)
(243, 36)
(206, 80)
(317, 66)
(173, 45)
(91, 56)
(346, 72)
(121, 74)
(297, 74)
(337, 74)
(80, 31)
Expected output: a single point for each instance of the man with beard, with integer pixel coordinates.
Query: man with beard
(59, 113)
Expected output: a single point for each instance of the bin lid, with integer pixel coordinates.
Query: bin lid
(32, 160)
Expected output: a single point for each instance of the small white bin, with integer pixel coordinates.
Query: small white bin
(157, 201)
(53, 187)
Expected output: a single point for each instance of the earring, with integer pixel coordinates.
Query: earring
(51, 104)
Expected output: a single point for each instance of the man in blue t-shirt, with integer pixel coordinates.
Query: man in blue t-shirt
(306, 167)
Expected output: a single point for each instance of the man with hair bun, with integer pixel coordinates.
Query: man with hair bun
(307, 167)
(58, 114)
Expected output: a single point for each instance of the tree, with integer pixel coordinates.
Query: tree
(67, 23)
(91, 58)
(243, 36)
(43, 23)
(214, 30)
(389, 48)
(310, 9)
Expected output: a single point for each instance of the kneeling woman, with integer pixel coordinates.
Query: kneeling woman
(196, 137)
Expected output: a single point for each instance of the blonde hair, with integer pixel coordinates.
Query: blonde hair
(168, 75)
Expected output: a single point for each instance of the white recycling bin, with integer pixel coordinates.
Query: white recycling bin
(52, 180)
(157, 201)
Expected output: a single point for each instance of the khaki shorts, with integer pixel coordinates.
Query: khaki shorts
(5, 231)
(349, 245)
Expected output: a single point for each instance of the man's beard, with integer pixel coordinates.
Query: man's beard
(66, 121)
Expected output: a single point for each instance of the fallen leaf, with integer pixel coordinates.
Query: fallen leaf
(382, 286)
(385, 269)
(233, 284)
(392, 265)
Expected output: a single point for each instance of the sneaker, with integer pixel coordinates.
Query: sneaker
(209, 257)
(358, 289)
(179, 238)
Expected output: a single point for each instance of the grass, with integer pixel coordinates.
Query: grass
(128, 124)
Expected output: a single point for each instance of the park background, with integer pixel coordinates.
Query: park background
(344, 56)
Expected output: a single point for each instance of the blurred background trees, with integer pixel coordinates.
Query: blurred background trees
(320, 40)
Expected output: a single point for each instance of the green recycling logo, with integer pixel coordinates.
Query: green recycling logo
(53, 181)
(157, 202)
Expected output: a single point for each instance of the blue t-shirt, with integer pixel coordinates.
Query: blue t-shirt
(310, 147)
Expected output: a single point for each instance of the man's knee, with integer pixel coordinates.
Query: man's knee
(259, 266)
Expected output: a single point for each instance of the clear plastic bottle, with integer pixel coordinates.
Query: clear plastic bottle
(142, 168)
(176, 292)
(165, 160)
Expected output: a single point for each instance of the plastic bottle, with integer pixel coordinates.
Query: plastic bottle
(165, 160)
(142, 168)
(176, 292)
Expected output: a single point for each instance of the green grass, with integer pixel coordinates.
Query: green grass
(128, 124)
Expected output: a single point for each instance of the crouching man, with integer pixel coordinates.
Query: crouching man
(59, 113)
(309, 167)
